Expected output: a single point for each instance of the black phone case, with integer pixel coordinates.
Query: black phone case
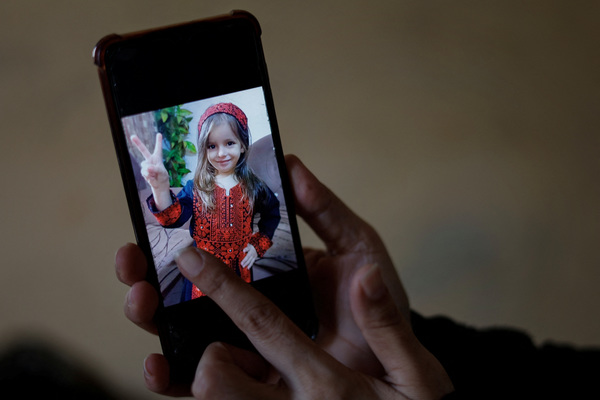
(136, 76)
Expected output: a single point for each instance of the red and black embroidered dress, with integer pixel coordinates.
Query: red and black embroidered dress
(226, 230)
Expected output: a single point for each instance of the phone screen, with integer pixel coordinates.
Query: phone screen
(225, 229)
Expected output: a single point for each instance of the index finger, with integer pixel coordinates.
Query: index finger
(274, 335)
(141, 147)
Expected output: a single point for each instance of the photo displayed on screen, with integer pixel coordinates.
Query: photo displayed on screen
(207, 176)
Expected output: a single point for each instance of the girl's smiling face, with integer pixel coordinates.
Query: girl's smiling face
(223, 149)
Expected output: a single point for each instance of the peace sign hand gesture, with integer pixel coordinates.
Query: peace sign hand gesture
(154, 171)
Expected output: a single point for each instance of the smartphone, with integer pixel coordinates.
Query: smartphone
(170, 93)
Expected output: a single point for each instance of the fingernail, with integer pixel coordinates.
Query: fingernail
(129, 304)
(128, 299)
(372, 283)
(189, 261)
(147, 373)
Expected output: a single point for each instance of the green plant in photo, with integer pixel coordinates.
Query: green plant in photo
(174, 124)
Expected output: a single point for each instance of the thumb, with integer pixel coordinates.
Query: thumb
(407, 363)
(385, 329)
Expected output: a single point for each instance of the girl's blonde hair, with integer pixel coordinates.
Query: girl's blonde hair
(204, 177)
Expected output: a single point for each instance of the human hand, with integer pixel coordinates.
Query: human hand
(250, 257)
(350, 243)
(154, 171)
(303, 370)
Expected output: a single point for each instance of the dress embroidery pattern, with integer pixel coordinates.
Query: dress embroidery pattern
(225, 231)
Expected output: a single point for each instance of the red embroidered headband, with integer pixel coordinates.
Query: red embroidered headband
(227, 108)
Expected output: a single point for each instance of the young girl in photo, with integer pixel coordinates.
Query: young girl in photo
(223, 197)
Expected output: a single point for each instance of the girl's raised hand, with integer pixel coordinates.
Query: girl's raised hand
(154, 171)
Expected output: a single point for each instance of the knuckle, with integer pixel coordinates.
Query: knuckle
(215, 284)
(387, 317)
(263, 320)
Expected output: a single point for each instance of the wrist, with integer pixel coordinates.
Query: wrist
(162, 198)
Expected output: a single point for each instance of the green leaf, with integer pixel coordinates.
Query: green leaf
(164, 115)
(190, 147)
